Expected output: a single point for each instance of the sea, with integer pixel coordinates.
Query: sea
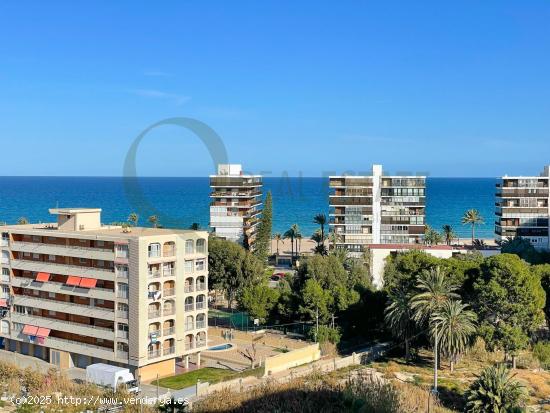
(180, 202)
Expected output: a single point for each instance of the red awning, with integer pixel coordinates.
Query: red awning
(43, 332)
(72, 280)
(3, 302)
(88, 282)
(30, 330)
(43, 277)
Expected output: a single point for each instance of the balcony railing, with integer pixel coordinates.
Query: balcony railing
(169, 331)
(189, 345)
(189, 327)
(169, 311)
(201, 286)
(4, 242)
(153, 354)
(201, 305)
(188, 307)
(122, 334)
(168, 272)
(154, 274)
(201, 343)
(168, 351)
(169, 292)
(154, 314)
(201, 324)
(122, 314)
(188, 289)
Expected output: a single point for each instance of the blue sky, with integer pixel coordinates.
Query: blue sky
(446, 88)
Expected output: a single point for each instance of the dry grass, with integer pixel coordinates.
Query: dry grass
(452, 386)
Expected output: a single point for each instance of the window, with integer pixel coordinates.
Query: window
(121, 251)
(36, 238)
(100, 243)
(52, 313)
(25, 254)
(5, 271)
(154, 250)
(100, 263)
(5, 327)
(188, 266)
(51, 295)
(36, 256)
(99, 301)
(51, 257)
(199, 265)
(82, 260)
(122, 290)
(189, 246)
(201, 246)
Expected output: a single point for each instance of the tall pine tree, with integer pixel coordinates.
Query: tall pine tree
(261, 245)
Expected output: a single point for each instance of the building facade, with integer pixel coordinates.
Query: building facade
(76, 292)
(377, 209)
(522, 208)
(236, 204)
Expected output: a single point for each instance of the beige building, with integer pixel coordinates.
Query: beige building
(76, 292)
(377, 209)
(236, 204)
(523, 208)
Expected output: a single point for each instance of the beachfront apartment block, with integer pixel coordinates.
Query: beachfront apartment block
(522, 208)
(76, 292)
(236, 203)
(377, 209)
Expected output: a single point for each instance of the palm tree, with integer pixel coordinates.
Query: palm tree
(321, 219)
(317, 237)
(278, 237)
(195, 226)
(495, 390)
(133, 218)
(154, 221)
(434, 290)
(334, 238)
(455, 326)
(399, 316)
(431, 236)
(448, 234)
(472, 217)
(479, 244)
(22, 221)
(291, 233)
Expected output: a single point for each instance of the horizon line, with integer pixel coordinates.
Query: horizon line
(207, 176)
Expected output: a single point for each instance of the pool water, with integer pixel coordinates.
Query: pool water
(220, 347)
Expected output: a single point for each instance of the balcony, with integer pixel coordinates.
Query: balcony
(63, 269)
(201, 343)
(122, 334)
(334, 200)
(5, 261)
(169, 292)
(154, 274)
(61, 288)
(189, 345)
(234, 194)
(153, 354)
(350, 181)
(242, 204)
(4, 242)
(189, 307)
(80, 348)
(201, 305)
(169, 311)
(168, 351)
(189, 327)
(188, 289)
(122, 314)
(64, 307)
(169, 331)
(201, 324)
(168, 272)
(201, 286)
(235, 182)
(154, 314)
(122, 355)
(65, 326)
(74, 251)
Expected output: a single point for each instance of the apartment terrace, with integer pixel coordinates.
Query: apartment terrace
(235, 182)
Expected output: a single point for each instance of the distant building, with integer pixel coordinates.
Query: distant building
(380, 252)
(236, 204)
(76, 292)
(522, 208)
(377, 209)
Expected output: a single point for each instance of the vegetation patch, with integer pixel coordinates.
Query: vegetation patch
(208, 374)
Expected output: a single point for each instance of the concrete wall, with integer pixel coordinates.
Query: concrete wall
(293, 358)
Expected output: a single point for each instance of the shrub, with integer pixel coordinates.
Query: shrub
(326, 334)
(541, 351)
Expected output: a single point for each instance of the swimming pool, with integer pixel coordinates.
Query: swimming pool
(220, 347)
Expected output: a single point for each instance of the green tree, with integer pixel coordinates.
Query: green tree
(495, 390)
(523, 248)
(434, 289)
(405, 267)
(509, 299)
(195, 226)
(278, 238)
(263, 238)
(448, 234)
(258, 300)
(541, 351)
(543, 273)
(399, 316)
(318, 237)
(455, 326)
(133, 219)
(472, 217)
(316, 301)
(321, 220)
(291, 234)
(231, 268)
(325, 334)
(154, 221)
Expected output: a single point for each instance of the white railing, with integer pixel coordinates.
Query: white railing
(201, 305)
(122, 314)
(169, 331)
(122, 334)
(189, 346)
(201, 286)
(154, 354)
(201, 324)
(154, 274)
(154, 314)
(168, 292)
(188, 307)
(188, 289)
(169, 350)
(169, 311)
(189, 327)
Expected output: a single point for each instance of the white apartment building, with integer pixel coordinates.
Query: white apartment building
(76, 292)
(523, 208)
(236, 204)
(377, 209)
